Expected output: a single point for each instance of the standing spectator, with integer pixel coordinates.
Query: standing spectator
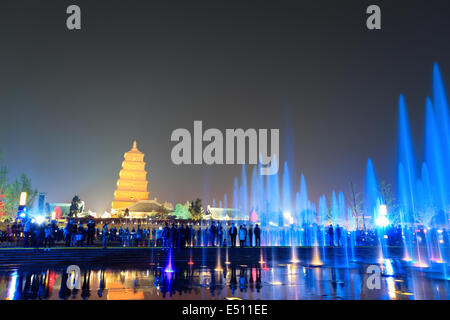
(331, 235)
(165, 237)
(48, 234)
(257, 233)
(133, 236)
(105, 236)
(181, 237)
(199, 236)
(159, 237)
(242, 235)
(154, 238)
(80, 236)
(188, 235)
(212, 231)
(73, 235)
(250, 235)
(233, 233)
(27, 230)
(220, 234)
(138, 236)
(39, 235)
(68, 233)
(125, 238)
(338, 235)
(205, 236)
(173, 236)
(90, 233)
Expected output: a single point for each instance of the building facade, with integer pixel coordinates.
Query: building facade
(132, 185)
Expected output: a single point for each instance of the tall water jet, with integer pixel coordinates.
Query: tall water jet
(323, 220)
(434, 156)
(407, 161)
(288, 218)
(243, 192)
(225, 201)
(375, 207)
(236, 194)
(286, 195)
(405, 215)
(441, 107)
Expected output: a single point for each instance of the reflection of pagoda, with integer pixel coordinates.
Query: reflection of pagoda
(132, 183)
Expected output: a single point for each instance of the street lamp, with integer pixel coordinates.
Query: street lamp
(23, 199)
(22, 210)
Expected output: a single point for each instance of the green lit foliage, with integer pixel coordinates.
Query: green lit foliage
(182, 211)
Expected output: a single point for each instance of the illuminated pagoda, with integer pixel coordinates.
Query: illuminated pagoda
(132, 183)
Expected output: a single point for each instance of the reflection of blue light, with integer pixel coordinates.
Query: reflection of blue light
(12, 286)
(22, 215)
(389, 270)
(169, 267)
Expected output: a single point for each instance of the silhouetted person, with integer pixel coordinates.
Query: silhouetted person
(27, 230)
(338, 235)
(220, 235)
(173, 236)
(213, 234)
(165, 236)
(181, 237)
(105, 236)
(48, 234)
(257, 233)
(242, 235)
(199, 237)
(331, 235)
(250, 235)
(233, 234)
(90, 233)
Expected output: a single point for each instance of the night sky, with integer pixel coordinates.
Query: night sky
(73, 101)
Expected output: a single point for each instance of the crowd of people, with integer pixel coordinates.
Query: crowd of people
(76, 234)
(216, 235)
(209, 234)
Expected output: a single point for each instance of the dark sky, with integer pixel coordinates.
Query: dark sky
(72, 102)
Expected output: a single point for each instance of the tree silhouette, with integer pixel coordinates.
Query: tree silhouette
(75, 207)
(196, 209)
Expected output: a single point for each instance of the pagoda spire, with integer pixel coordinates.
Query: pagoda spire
(132, 185)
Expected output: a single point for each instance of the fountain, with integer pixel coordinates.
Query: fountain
(418, 221)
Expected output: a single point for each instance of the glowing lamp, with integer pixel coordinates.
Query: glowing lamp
(382, 221)
(23, 199)
(40, 219)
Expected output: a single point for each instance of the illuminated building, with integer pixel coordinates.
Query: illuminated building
(132, 183)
